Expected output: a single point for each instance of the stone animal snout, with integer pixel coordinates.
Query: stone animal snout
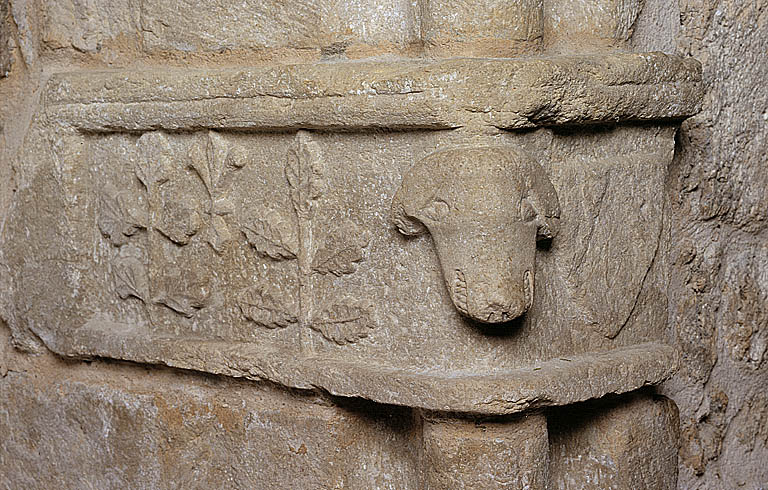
(485, 209)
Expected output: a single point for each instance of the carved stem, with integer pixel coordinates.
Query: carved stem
(154, 247)
(305, 281)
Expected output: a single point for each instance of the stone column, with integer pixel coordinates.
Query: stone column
(472, 454)
(489, 28)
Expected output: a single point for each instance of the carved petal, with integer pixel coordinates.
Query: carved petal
(180, 303)
(219, 234)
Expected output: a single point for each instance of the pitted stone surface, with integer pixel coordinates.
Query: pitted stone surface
(509, 94)
(172, 126)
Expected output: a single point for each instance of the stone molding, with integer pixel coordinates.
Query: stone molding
(442, 94)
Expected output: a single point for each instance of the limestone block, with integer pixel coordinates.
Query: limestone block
(94, 430)
(465, 454)
(444, 94)
(624, 443)
(237, 209)
(256, 24)
(6, 57)
(87, 24)
(491, 28)
(584, 25)
(194, 223)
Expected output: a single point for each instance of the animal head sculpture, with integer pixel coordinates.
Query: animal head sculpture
(485, 209)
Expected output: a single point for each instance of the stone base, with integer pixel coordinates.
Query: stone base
(114, 425)
(161, 429)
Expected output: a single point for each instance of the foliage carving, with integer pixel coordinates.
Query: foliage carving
(130, 272)
(164, 211)
(345, 322)
(276, 237)
(341, 251)
(119, 218)
(266, 308)
(272, 237)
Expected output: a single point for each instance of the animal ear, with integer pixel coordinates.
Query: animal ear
(545, 214)
(547, 227)
(406, 223)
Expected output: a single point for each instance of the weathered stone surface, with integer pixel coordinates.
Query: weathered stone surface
(552, 383)
(86, 25)
(717, 281)
(90, 428)
(584, 25)
(490, 28)
(466, 454)
(287, 243)
(509, 94)
(23, 15)
(234, 24)
(6, 56)
(621, 443)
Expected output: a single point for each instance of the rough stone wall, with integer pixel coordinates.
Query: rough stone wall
(719, 273)
(719, 288)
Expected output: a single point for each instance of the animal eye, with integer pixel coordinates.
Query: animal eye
(437, 210)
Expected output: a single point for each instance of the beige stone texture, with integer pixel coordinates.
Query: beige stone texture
(6, 57)
(329, 27)
(206, 192)
(105, 425)
(615, 443)
(515, 453)
(586, 25)
(497, 28)
(719, 280)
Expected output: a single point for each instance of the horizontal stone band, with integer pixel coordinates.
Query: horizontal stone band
(461, 92)
(554, 382)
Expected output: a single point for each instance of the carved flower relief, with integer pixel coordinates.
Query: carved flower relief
(216, 169)
(167, 214)
(166, 210)
(121, 214)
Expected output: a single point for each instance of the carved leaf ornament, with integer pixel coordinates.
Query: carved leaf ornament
(345, 322)
(276, 237)
(164, 208)
(273, 237)
(163, 212)
(266, 308)
(341, 251)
